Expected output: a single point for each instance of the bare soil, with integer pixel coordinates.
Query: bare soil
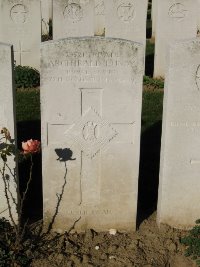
(149, 246)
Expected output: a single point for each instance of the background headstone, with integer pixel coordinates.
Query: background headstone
(91, 132)
(179, 188)
(20, 25)
(126, 19)
(7, 119)
(73, 18)
(45, 11)
(99, 18)
(176, 20)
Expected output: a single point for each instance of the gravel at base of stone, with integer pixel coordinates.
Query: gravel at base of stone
(147, 247)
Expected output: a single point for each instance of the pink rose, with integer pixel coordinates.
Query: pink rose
(31, 146)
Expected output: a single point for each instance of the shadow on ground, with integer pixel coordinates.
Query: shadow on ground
(33, 208)
(149, 172)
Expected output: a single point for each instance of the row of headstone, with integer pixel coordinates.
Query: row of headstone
(89, 18)
(91, 139)
(98, 126)
(20, 24)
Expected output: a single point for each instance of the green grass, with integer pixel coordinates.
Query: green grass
(156, 83)
(151, 108)
(28, 105)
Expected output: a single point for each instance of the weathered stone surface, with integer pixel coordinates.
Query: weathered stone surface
(73, 18)
(179, 187)
(126, 19)
(176, 20)
(20, 25)
(7, 119)
(91, 92)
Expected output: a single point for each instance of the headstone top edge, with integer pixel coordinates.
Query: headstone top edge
(77, 39)
(189, 46)
(6, 45)
(184, 42)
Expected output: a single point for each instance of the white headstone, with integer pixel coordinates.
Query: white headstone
(20, 25)
(179, 187)
(126, 19)
(73, 18)
(99, 18)
(176, 20)
(45, 16)
(7, 119)
(91, 95)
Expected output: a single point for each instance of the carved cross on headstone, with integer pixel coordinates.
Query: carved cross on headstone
(20, 51)
(195, 161)
(100, 23)
(91, 133)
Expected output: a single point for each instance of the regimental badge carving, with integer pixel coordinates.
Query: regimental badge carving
(19, 14)
(73, 12)
(99, 8)
(197, 78)
(20, 51)
(178, 11)
(91, 133)
(126, 11)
